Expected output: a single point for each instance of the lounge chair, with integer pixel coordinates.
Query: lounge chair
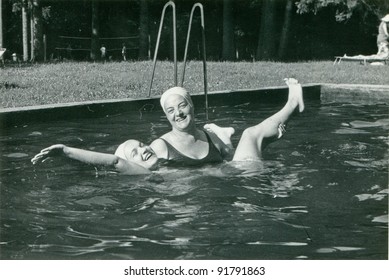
(362, 60)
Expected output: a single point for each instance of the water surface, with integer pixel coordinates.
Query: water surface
(320, 193)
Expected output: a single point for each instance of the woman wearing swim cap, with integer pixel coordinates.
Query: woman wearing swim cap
(188, 145)
(185, 144)
(131, 157)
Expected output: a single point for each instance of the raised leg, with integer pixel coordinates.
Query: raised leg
(252, 140)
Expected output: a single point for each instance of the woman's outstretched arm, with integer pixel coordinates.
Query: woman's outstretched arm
(93, 158)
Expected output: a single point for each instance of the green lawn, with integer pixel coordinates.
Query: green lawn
(84, 81)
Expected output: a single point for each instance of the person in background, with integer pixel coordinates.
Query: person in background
(383, 34)
(124, 52)
(103, 52)
(383, 53)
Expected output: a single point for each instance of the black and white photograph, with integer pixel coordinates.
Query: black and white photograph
(214, 130)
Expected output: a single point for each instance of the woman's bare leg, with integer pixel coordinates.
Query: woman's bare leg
(251, 142)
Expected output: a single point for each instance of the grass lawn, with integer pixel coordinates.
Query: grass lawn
(84, 81)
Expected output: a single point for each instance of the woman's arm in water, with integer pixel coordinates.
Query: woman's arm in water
(93, 158)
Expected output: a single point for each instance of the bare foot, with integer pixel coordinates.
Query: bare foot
(224, 133)
(295, 92)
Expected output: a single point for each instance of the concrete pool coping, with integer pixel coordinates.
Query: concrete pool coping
(325, 93)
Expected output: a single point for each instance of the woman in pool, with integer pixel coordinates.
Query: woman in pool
(133, 157)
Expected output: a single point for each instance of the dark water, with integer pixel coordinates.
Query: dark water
(320, 193)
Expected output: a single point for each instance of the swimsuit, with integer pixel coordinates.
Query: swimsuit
(177, 158)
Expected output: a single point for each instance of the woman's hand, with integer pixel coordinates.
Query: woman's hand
(54, 150)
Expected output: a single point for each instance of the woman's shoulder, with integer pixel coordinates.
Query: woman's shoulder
(160, 148)
(165, 136)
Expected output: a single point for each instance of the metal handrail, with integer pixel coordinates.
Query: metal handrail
(170, 3)
(200, 6)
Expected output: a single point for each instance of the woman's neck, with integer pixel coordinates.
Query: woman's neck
(190, 132)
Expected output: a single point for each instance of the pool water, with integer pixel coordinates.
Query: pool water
(320, 193)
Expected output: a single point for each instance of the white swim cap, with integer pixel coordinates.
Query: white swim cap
(178, 91)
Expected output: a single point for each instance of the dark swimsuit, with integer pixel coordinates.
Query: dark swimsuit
(177, 158)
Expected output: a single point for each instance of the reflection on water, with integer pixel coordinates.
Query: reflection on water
(320, 193)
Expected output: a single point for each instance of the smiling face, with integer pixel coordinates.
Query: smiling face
(141, 154)
(179, 112)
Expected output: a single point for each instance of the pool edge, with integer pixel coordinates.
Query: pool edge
(354, 93)
(325, 93)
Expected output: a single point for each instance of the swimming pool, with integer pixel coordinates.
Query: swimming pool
(320, 193)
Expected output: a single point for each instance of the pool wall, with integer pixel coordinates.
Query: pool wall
(355, 93)
(326, 93)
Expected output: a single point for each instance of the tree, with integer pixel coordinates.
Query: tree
(285, 29)
(143, 30)
(36, 31)
(267, 34)
(228, 52)
(95, 30)
(31, 14)
(25, 30)
(344, 8)
(1, 23)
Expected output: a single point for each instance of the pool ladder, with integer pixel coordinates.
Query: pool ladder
(201, 9)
